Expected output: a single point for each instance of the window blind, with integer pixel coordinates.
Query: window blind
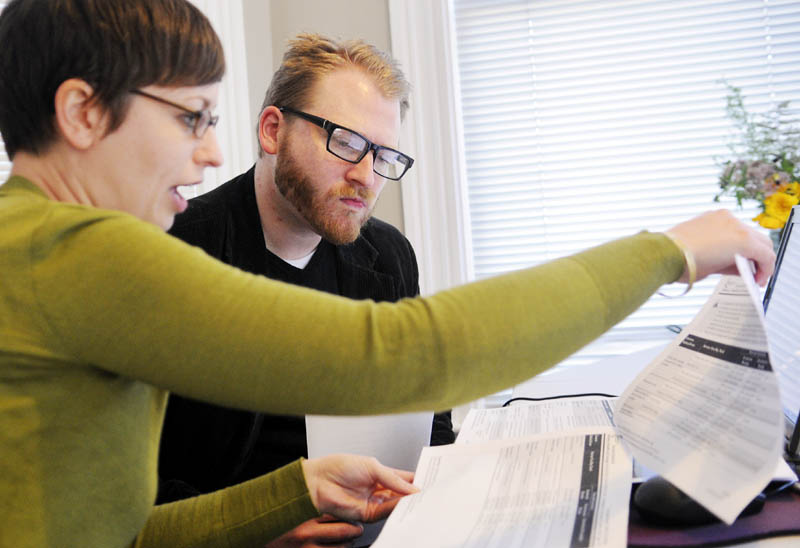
(586, 121)
(5, 163)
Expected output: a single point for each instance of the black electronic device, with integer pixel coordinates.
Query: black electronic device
(661, 503)
(782, 310)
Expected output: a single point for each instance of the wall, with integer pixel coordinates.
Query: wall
(270, 24)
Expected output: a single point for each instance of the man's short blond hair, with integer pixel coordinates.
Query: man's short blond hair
(311, 56)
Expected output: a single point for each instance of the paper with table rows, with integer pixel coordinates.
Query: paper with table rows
(540, 417)
(706, 413)
(547, 491)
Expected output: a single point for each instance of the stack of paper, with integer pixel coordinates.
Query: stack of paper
(705, 414)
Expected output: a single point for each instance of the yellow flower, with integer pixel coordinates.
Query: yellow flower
(780, 205)
(777, 207)
(792, 188)
(768, 222)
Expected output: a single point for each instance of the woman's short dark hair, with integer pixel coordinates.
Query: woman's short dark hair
(114, 45)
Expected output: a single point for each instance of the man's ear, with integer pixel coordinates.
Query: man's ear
(79, 119)
(268, 123)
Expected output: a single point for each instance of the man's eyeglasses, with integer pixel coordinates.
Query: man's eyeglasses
(197, 120)
(351, 147)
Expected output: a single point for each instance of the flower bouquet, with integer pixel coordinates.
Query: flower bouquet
(765, 162)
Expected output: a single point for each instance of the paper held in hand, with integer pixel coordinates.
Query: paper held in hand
(706, 413)
(546, 491)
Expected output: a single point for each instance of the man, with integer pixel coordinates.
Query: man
(328, 134)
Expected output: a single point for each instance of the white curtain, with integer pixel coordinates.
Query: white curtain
(236, 127)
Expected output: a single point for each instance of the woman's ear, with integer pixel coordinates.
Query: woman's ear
(268, 124)
(80, 120)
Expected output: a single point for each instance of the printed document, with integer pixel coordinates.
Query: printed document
(558, 415)
(566, 490)
(527, 419)
(535, 418)
(706, 413)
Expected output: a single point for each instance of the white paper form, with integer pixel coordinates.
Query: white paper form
(549, 491)
(542, 417)
(706, 414)
(532, 418)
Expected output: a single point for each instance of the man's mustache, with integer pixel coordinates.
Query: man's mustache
(363, 194)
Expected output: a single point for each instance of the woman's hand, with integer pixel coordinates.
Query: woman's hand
(715, 237)
(355, 488)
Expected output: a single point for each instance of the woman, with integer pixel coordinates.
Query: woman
(107, 112)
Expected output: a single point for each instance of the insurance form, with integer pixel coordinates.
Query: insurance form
(567, 490)
(518, 421)
(706, 413)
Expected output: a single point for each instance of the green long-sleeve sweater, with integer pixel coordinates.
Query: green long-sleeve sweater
(101, 314)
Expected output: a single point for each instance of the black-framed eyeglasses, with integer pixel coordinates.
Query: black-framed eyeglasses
(351, 147)
(197, 120)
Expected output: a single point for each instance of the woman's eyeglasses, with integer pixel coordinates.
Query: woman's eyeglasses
(197, 120)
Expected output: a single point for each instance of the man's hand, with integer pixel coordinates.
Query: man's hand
(355, 488)
(323, 532)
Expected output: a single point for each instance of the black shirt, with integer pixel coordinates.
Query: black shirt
(205, 447)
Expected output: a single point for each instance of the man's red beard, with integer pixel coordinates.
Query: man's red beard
(322, 211)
